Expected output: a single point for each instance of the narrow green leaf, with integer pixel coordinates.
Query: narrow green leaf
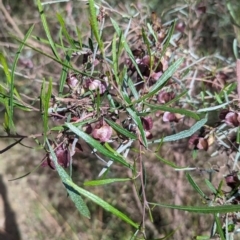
(146, 41)
(163, 79)
(201, 209)
(168, 39)
(105, 181)
(46, 42)
(46, 29)
(53, 58)
(174, 110)
(210, 186)
(12, 88)
(235, 48)
(95, 144)
(98, 103)
(125, 96)
(151, 31)
(101, 203)
(213, 108)
(133, 89)
(138, 122)
(167, 74)
(5, 68)
(76, 198)
(126, 46)
(116, 26)
(183, 134)
(9, 124)
(79, 37)
(4, 99)
(219, 227)
(6, 120)
(65, 32)
(120, 130)
(195, 186)
(130, 54)
(64, 73)
(94, 24)
(202, 238)
(114, 58)
(45, 99)
(167, 162)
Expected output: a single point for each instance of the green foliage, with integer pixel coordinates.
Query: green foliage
(112, 90)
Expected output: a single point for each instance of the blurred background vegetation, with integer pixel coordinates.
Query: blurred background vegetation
(38, 205)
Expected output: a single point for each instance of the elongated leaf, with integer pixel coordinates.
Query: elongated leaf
(174, 110)
(101, 203)
(4, 99)
(138, 122)
(168, 39)
(9, 124)
(202, 238)
(210, 186)
(45, 99)
(13, 70)
(120, 130)
(219, 227)
(106, 181)
(201, 209)
(78, 32)
(126, 46)
(114, 58)
(12, 88)
(183, 134)
(46, 28)
(195, 186)
(133, 89)
(116, 26)
(65, 32)
(5, 68)
(169, 163)
(95, 144)
(213, 108)
(94, 24)
(76, 198)
(64, 72)
(167, 74)
(146, 41)
(163, 79)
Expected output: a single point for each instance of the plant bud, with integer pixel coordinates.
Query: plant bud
(180, 26)
(63, 155)
(155, 76)
(102, 133)
(164, 97)
(147, 123)
(95, 84)
(202, 144)
(231, 119)
(196, 142)
(169, 117)
(223, 114)
(232, 180)
(72, 81)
